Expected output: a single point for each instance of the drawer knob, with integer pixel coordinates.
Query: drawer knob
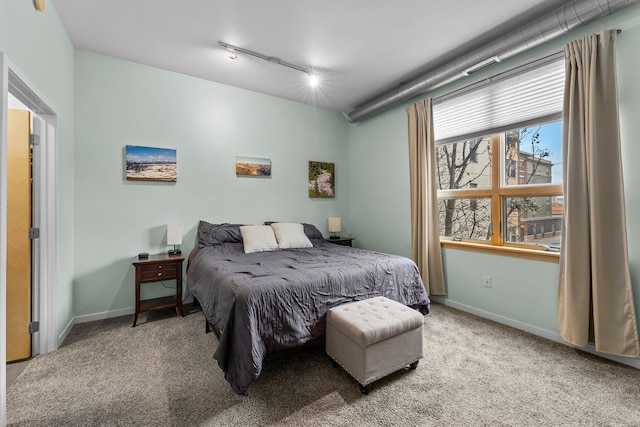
(159, 274)
(159, 266)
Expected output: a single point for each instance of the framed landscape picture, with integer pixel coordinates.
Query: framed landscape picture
(151, 164)
(253, 166)
(321, 179)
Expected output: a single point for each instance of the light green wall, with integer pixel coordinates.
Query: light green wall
(522, 290)
(379, 202)
(39, 47)
(104, 220)
(122, 103)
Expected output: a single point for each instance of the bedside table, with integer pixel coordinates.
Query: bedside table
(344, 241)
(157, 268)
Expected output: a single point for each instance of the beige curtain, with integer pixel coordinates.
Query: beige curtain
(595, 285)
(425, 237)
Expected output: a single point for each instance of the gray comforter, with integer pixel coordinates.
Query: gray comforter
(268, 301)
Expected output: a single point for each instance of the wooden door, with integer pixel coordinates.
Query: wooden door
(18, 242)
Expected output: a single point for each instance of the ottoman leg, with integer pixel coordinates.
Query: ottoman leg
(364, 389)
(414, 365)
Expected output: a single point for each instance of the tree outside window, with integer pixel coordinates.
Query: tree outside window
(509, 182)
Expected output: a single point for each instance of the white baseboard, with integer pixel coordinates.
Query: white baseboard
(553, 336)
(104, 315)
(65, 332)
(101, 316)
(92, 318)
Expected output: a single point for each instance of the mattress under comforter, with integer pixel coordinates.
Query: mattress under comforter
(268, 301)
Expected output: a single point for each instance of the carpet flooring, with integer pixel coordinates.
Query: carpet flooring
(475, 373)
(14, 369)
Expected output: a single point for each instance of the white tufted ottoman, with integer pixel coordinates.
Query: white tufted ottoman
(373, 338)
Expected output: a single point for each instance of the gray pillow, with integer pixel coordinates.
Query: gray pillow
(217, 234)
(309, 229)
(312, 232)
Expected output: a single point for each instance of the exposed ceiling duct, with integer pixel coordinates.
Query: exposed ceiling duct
(543, 29)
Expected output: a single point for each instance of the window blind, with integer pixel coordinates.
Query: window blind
(502, 103)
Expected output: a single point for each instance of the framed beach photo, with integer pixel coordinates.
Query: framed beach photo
(253, 166)
(151, 164)
(322, 179)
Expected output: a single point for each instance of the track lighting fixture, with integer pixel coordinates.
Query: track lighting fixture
(314, 79)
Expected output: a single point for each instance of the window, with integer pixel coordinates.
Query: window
(511, 195)
(499, 159)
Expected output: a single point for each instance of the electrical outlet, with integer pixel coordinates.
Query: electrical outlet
(487, 281)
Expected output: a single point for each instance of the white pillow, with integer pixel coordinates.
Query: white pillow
(290, 235)
(258, 238)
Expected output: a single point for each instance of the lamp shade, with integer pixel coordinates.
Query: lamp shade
(334, 225)
(174, 234)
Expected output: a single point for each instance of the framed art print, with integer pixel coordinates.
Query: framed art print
(321, 179)
(151, 164)
(253, 166)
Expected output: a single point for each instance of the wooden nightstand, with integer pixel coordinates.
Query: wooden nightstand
(344, 241)
(157, 268)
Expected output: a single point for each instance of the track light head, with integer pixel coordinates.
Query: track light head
(314, 80)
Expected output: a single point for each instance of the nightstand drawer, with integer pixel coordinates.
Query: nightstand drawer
(152, 273)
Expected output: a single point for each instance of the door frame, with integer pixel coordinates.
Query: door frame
(44, 250)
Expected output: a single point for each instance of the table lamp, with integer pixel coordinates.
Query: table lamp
(334, 227)
(174, 237)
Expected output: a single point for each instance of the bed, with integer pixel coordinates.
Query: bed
(263, 302)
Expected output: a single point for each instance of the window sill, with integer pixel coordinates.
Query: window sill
(537, 254)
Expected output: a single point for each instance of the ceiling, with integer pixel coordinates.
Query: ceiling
(360, 48)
